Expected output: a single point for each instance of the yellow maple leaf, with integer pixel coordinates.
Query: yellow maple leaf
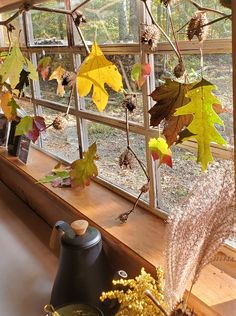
(58, 75)
(5, 98)
(95, 71)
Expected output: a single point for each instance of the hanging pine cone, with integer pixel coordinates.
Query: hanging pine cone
(196, 27)
(179, 70)
(126, 159)
(151, 36)
(59, 123)
(226, 3)
(130, 102)
(68, 78)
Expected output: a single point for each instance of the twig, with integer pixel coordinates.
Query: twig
(140, 162)
(80, 5)
(70, 100)
(206, 9)
(161, 30)
(81, 36)
(127, 127)
(219, 19)
(155, 301)
(124, 216)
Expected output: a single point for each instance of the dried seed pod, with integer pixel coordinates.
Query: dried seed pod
(68, 78)
(126, 159)
(151, 36)
(196, 26)
(79, 18)
(226, 3)
(129, 102)
(179, 70)
(145, 188)
(59, 123)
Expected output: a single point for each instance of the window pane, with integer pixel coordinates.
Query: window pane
(48, 28)
(221, 29)
(48, 88)
(61, 143)
(111, 143)
(117, 21)
(178, 181)
(114, 108)
(26, 107)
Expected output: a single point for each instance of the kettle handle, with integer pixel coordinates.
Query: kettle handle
(62, 227)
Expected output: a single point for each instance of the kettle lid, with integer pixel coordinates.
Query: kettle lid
(85, 236)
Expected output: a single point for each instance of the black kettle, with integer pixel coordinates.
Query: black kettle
(84, 271)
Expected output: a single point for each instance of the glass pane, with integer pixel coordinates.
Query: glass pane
(111, 143)
(61, 143)
(114, 108)
(217, 69)
(26, 107)
(48, 88)
(178, 181)
(116, 21)
(17, 35)
(221, 29)
(48, 28)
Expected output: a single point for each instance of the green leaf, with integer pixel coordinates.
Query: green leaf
(48, 179)
(202, 127)
(25, 125)
(83, 169)
(14, 106)
(13, 65)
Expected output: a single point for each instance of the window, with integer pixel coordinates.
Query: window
(117, 25)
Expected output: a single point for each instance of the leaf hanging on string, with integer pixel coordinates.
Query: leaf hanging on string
(31, 127)
(44, 66)
(139, 73)
(169, 97)
(58, 76)
(96, 71)
(7, 107)
(23, 82)
(13, 65)
(160, 151)
(83, 169)
(202, 126)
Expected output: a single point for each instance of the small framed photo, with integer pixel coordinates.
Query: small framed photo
(23, 149)
(3, 130)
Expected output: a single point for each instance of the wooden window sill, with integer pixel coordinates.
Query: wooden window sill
(141, 239)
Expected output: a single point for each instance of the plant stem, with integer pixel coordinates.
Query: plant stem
(206, 9)
(161, 30)
(127, 127)
(219, 19)
(81, 36)
(155, 301)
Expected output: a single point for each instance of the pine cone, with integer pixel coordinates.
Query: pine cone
(126, 159)
(59, 123)
(179, 70)
(196, 28)
(68, 78)
(130, 102)
(151, 36)
(226, 3)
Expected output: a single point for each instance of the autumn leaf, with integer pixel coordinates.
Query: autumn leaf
(44, 66)
(58, 76)
(14, 106)
(169, 97)
(202, 126)
(23, 82)
(83, 169)
(13, 65)
(8, 111)
(160, 150)
(96, 71)
(139, 73)
(24, 126)
(31, 127)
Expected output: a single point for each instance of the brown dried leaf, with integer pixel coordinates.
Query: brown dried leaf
(170, 97)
